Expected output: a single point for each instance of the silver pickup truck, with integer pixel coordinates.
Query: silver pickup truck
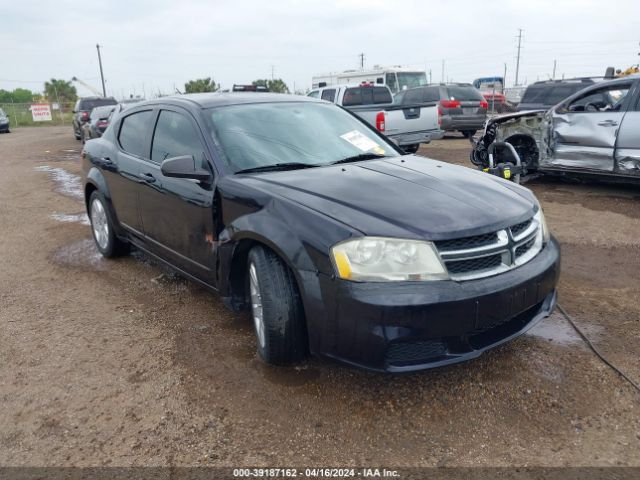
(408, 125)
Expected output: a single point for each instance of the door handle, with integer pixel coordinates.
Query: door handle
(147, 177)
(608, 123)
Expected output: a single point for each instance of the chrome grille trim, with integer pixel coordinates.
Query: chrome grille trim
(511, 248)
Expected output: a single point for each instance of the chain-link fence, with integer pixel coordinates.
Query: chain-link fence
(21, 114)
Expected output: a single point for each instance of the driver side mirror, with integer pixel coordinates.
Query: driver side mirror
(184, 167)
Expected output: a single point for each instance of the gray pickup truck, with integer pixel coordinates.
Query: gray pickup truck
(408, 125)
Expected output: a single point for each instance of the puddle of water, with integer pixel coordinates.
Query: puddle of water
(67, 183)
(76, 218)
(82, 253)
(556, 329)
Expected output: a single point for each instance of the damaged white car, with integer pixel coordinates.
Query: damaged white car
(595, 132)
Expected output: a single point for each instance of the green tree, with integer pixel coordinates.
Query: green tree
(60, 90)
(19, 95)
(200, 85)
(276, 85)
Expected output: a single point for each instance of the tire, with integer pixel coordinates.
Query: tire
(102, 230)
(281, 335)
(413, 148)
(76, 133)
(468, 133)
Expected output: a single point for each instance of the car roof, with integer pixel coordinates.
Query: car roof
(221, 99)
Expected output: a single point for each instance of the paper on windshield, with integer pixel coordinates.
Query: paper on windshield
(359, 140)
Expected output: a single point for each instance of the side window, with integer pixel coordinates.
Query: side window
(175, 136)
(391, 81)
(329, 94)
(314, 94)
(133, 133)
(606, 99)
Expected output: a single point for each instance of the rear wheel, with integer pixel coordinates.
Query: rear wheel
(104, 236)
(276, 308)
(411, 148)
(468, 133)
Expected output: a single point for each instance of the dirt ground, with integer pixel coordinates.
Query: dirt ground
(124, 363)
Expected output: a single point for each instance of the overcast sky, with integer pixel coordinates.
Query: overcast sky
(150, 46)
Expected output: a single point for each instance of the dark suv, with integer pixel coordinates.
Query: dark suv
(546, 94)
(461, 106)
(83, 108)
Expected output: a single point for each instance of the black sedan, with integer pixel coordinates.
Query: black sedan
(338, 243)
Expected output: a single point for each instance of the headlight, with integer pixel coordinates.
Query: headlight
(539, 217)
(379, 259)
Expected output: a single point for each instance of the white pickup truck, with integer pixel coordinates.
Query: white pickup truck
(408, 125)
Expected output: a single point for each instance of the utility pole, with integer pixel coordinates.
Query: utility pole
(504, 78)
(361, 61)
(104, 90)
(430, 77)
(518, 58)
(272, 69)
(553, 77)
(442, 70)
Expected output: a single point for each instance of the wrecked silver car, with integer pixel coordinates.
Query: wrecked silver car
(595, 132)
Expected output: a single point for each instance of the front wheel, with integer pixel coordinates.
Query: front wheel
(276, 308)
(107, 242)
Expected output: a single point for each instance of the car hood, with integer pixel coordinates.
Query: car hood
(406, 196)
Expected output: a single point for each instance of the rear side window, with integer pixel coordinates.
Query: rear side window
(133, 133)
(463, 93)
(175, 136)
(329, 95)
(366, 96)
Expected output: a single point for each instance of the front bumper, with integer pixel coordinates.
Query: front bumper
(399, 327)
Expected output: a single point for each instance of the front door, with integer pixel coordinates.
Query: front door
(586, 128)
(121, 173)
(177, 213)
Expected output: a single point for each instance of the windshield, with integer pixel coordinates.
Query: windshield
(411, 79)
(98, 102)
(463, 93)
(264, 134)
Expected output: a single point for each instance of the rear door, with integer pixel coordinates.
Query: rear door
(177, 213)
(122, 172)
(627, 153)
(585, 128)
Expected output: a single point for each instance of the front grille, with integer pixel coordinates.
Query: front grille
(412, 352)
(520, 227)
(467, 242)
(474, 264)
(525, 247)
(488, 254)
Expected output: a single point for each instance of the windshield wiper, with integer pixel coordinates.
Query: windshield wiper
(357, 158)
(278, 167)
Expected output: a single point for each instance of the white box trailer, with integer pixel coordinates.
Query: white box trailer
(396, 78)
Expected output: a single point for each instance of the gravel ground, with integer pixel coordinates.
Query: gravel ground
(124, 363)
